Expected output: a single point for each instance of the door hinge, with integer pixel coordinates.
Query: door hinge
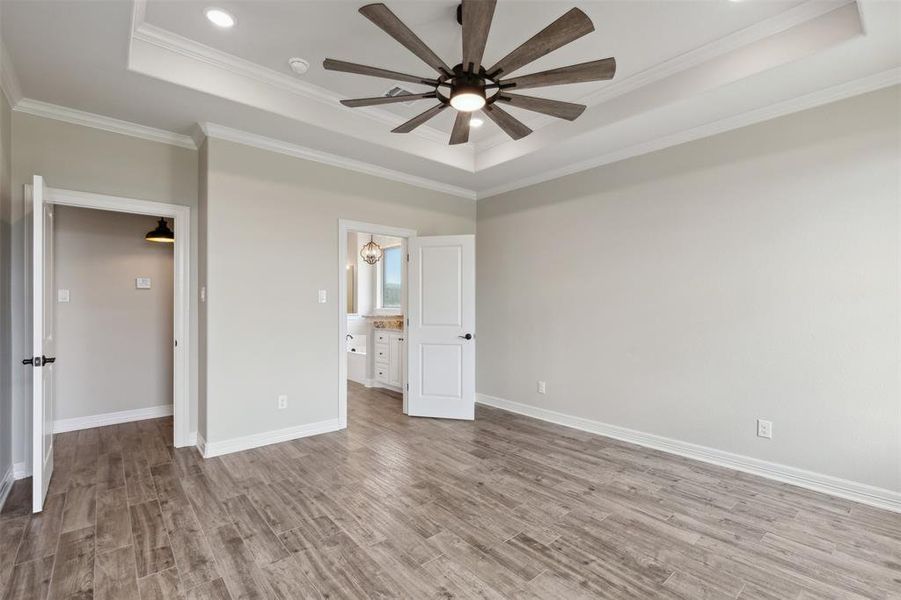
(408, 387)
(408, 257)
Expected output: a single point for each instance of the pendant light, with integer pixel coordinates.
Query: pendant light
(162, 233)
(371, 252)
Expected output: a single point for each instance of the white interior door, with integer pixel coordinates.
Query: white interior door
(442, 354)
(43, 353)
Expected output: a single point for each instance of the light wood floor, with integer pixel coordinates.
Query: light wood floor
(394, 507)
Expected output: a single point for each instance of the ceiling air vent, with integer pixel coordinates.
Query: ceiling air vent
(399, 91)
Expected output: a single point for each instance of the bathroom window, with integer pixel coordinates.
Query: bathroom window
(390, 277)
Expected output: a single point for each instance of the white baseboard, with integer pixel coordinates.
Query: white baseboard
(192, 438)
(210, 449)
(827, 484)
(113, 418)
(6, 484)
(21, 470)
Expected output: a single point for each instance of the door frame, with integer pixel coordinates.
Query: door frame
(181, 360)
(346, 226)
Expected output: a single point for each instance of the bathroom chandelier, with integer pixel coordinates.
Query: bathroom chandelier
(371, 252)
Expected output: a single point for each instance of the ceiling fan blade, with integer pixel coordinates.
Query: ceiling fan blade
(555, 108)
(510, 124)
(331, 64)
(419, 119)
(477, 15)
(596, 70)
(460, 133)
(358, 102)
(570, 27)
(382, 16)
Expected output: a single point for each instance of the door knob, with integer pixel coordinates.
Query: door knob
(468, 336)
(38, 361)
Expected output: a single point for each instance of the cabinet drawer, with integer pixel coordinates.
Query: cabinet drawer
(381, 353)
(381, 373)
(381, 337)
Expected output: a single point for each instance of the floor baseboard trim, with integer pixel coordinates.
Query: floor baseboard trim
(6, 484)
(211, 449)
(113, 418)
(818, 482)
(21, 470)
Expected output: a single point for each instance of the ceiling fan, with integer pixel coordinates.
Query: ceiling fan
(470, 86)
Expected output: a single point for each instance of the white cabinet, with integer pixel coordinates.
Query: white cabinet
(388, 358)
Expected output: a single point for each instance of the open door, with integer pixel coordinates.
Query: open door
(43, 343)
(442, 310)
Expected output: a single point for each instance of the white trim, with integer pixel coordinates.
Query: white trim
(9, 81)
(345, 226)
(212, 130)
(181, 215)
(835, 93)
(192, 439)
(86, 119)
(211, 449)
(112, 418)
(201, 444)
(827, 484)
(6, 484)
(178, 44)
(21, 470)
(757, 32)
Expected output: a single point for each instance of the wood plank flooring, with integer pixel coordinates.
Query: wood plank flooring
(396, 507)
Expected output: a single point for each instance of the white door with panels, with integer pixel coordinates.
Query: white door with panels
(441, 330)
(43, 341)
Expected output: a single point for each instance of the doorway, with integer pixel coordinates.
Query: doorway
(44, 295)
(438, 320)
(372, 296)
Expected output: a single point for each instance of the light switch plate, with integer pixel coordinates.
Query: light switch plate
(62, 295)
(322, 296)
(142, 283)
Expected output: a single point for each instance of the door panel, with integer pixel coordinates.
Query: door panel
(440, 344)
(43, 342)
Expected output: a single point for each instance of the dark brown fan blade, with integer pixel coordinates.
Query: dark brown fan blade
(595, 70)
(382, 16)
(571, 26)
(555, 108)
(419, 119)
(347, 67)
(460, 133)
(358, 102)
(512, 126)
(477, 15)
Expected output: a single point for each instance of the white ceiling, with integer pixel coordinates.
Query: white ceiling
(684, 69)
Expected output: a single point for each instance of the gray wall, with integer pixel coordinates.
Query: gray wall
(272, 242)
(688, 292)
(6, 431)
(85, 159)
(114, 340)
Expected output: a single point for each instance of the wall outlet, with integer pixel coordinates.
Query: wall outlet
(62, 295)
(542, 387)
(142, 283)
(323, 297)
(765, 429)
(282, 401)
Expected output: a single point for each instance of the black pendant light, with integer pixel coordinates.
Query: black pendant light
(162, 233)
(371, 252)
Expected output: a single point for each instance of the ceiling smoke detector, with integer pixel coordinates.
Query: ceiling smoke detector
(298, 65)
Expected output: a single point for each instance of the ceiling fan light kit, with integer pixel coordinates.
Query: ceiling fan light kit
(469, 86)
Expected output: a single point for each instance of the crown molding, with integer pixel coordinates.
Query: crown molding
(189, 48)
(86, 119)
(9, 82)
(803, 13)
(835, 93)
(221, 132)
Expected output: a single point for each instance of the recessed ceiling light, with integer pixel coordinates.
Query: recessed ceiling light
(298, 65)
(476, 122)
(220, 18)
